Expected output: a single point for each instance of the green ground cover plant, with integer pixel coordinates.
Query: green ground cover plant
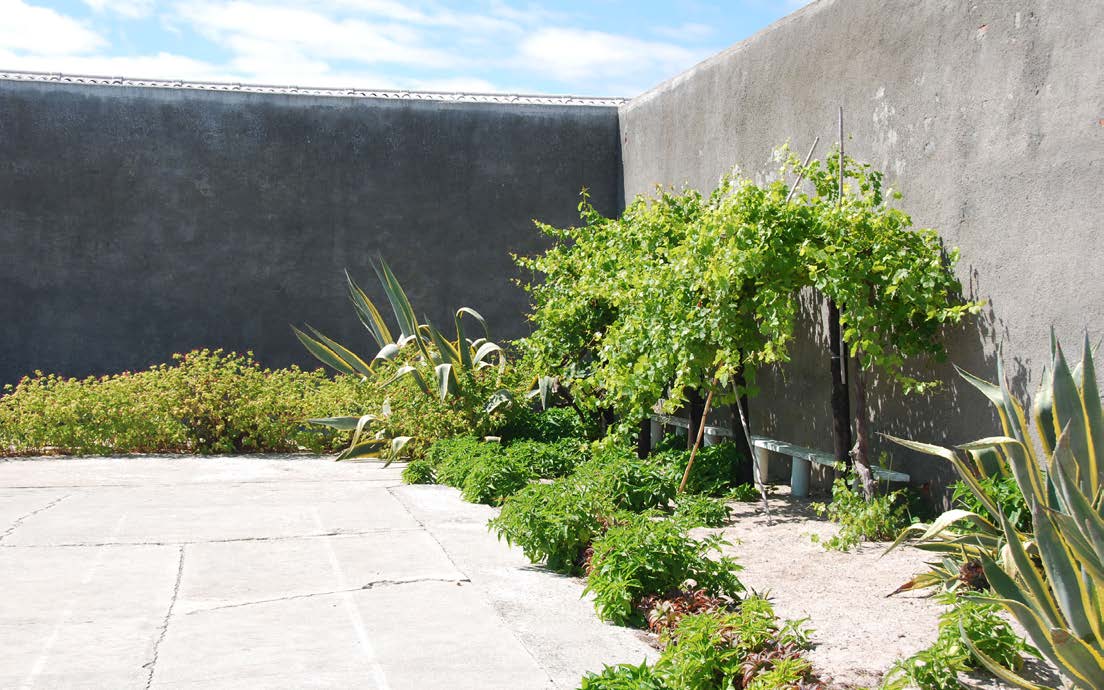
(645, 556)
(700, 511)
(937, 667)
(629, 482)
(860, 519)
(554, 523)
(205, 401)
(549, 460)
(714, 467)
(742, 648)
(494, 478)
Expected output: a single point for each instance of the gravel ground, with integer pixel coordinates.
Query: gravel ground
(859, 631)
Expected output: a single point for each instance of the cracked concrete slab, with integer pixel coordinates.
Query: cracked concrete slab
(274, 572)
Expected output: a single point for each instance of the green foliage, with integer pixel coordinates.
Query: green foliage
(623, 677)
(494, 477)
(548, 460)
(700, 511)
(937, 667)
(1059, 603)
(685, 292)
(893, 284)
(419, 471)
(207, 401)
(547, 426)
(745, 493)
(877, 519)
(746, 648)
(454, 458)
(1002, 490)
(553, 523)
(627, 481)
(648, 556)
(713, 468)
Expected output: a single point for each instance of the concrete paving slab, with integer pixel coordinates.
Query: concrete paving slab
(82, 618)
(237, 573)
(209, 512)
(247, 572)
(175, 470)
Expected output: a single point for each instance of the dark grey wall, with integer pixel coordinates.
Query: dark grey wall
(988, 115)
(139, 222)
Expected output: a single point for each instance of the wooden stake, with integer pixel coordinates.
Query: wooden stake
(697, 442)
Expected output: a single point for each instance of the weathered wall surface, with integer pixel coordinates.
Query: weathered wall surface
(988, 115)
(136, 222)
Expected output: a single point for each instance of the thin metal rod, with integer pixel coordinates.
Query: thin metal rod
(801, 175)
(839, 204)
(751, 446)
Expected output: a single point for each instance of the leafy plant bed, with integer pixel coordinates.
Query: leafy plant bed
(859, 632)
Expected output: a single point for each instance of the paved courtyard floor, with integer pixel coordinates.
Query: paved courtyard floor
(274, 573)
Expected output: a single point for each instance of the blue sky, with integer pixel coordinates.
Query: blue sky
(596, 48)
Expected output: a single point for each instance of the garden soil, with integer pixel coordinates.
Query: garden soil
(860, 631)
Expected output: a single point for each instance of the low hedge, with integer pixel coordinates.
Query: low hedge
(207, 401)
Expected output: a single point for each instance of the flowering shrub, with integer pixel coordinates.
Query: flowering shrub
(207, 401)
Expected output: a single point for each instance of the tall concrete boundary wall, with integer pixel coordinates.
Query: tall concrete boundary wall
(988, 115)
(139, 222)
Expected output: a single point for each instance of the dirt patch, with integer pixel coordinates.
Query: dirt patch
(859, 631)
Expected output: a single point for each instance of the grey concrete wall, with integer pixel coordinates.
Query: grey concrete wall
(988, 115)
(139, 222)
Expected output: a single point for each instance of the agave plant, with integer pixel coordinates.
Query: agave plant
(1051, 581)
(439, 365)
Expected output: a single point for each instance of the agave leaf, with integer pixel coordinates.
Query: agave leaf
(1013, 599)
(1082, 661)
(545, 385)
(921, 581)
(1064, 576)
(1087, 517)
(1035, 586)
(397, 445)
(1069, 417)
(1005, 674)
(1012, 408)
(1079, 546)
(449, 354)
(446, 380)
(462, 347)
(475, 315)
(498, 399)
(368, 313)
(1044, 411)
(339, 423)
(485, 350)
(1094, 420)
(408, 370)
(346, 355)
(366, 449)
(323, 353)
(400, 304)
(963, 470)
(388, 351)
(952, 517)
(993, 393)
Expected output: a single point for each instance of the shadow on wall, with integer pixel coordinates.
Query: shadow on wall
(794, 399)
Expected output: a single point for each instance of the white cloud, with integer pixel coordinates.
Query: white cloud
(254, 31)
(131, 9)
(584, 55)
(160, 66)
(37, 30)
